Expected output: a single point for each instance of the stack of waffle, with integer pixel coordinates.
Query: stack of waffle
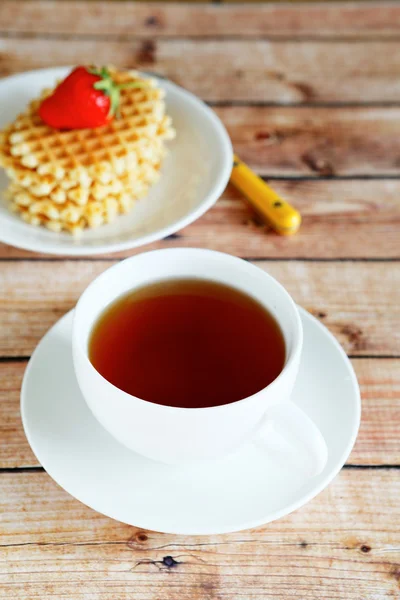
(72, 180)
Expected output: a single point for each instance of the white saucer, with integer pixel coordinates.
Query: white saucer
(241, 491)
(194, 175)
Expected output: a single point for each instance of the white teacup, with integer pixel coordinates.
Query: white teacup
(175, 435)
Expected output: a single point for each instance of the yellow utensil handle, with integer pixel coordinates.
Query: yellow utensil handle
(282, 217)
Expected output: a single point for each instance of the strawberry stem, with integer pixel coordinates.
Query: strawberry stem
(112, 89)
(102, 84)
(132, 84)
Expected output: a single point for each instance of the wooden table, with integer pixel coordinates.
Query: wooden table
(310, 95)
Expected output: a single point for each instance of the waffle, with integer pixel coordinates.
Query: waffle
(79, 207)
(70, 180)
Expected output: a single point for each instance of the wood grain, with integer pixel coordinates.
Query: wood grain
(341, 219)
(284, 72)
(358, 302)
(378, 442)
(149, 19)
(338, 546)
(316, 141)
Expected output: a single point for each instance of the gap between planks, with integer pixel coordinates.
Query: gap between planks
(18, 359)
(273, 37)
(100, 258)
(345, 466)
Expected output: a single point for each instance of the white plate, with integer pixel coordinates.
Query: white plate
(241, 491)
(194, 175)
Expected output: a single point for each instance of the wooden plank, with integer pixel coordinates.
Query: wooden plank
(14, 449)
(341, 219)
(378, 442)
(148, 19)
(315, 141)
(338, 546)
(287, 72)
(348, 297)
(294, 141)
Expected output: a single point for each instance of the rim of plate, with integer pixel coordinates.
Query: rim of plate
(208, 201)
(227, 527)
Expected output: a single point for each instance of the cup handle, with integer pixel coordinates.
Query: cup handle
(294, 437)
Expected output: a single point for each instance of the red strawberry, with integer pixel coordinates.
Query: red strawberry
(87, 98)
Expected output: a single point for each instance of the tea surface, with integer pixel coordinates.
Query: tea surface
(187, 343)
